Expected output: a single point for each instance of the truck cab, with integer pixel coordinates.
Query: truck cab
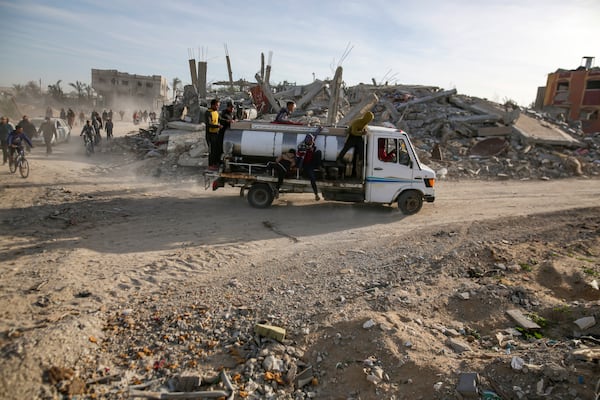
(393, 171)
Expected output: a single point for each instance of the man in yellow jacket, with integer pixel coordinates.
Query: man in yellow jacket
(212, 134)
(356, 131)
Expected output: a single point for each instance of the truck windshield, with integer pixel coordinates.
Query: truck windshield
(411, 149)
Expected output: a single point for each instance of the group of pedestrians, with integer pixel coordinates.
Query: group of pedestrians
(93, 126)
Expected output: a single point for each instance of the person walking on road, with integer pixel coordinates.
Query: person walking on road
(48, 130)
(5, 130)
(108, 127)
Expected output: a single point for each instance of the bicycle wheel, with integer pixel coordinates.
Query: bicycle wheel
(24, 168)
(12, 165)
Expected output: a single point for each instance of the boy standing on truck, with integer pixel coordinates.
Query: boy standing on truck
(226, 118)
(309, 159)
(212, 134)
(356, 131)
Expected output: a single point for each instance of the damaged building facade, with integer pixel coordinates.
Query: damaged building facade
(573, 95)
(120, 90)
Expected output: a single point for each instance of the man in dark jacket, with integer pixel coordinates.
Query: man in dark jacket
(48, 130)
(226, 118)
(5, 130)
(108, 127)
(28, 127)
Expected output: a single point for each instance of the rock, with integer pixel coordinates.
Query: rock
(464, 296)
(369, 324)
(457, 345)
(467, 385)
(269, 331)
(517, 363)
(585, 322)
(272, 363)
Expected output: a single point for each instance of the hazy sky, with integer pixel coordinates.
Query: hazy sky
(494, 49)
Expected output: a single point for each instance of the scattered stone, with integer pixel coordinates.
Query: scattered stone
(269, 331)
(467, 385)
(521, 320)
(517, 363)
(369, 324)
(464, 296)
(585, 322)
(457, 345)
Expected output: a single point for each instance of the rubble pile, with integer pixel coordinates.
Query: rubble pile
(459, 136)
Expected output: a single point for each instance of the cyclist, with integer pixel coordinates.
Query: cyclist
(89, 131)
(15, 141)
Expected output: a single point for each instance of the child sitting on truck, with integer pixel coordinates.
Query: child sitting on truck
(282, 165)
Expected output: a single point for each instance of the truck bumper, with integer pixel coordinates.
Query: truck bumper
(429, 198)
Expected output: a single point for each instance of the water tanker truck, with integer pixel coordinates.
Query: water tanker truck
(398, 177)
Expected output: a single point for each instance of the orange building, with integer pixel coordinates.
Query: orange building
(576, 95)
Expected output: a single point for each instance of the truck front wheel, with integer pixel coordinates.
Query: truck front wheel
(260, 196)
(410, 202)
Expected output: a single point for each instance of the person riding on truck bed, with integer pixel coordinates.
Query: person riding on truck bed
(356, 131)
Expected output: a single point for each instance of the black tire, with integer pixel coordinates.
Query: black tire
(260, 196)
(12, 165)
(410, 202)
(89, 148)
(24, 168)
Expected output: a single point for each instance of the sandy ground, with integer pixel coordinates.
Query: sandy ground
(85, 238)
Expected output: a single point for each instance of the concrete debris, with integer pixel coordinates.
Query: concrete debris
(467, 385)
(464, 136)
(521, 320)
(585, 322)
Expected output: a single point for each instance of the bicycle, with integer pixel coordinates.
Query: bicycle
(18, 161)
(88, 142)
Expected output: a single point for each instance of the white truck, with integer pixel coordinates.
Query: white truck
(391, 171)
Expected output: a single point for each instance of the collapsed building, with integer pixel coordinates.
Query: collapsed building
(573, 96)
(458, 135)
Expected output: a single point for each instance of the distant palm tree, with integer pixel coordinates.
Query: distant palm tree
(175, 84)
(55, 91)
(80, 88)
(89, 90)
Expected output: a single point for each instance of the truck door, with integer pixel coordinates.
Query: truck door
(389, 169)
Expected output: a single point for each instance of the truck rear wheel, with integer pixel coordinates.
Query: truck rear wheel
(260, 196)
(410, 202)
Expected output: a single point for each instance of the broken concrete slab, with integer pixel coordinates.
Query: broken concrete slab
(521, 320)
(495, 131)
(585, 322)
(184, 126)
(180, 138)
(270, 331)
(467, 385)
(535, 131)
(426, 99)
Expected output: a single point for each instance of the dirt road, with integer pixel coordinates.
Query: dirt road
(84, 238)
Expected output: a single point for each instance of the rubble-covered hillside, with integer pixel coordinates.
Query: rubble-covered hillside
(459, 136)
